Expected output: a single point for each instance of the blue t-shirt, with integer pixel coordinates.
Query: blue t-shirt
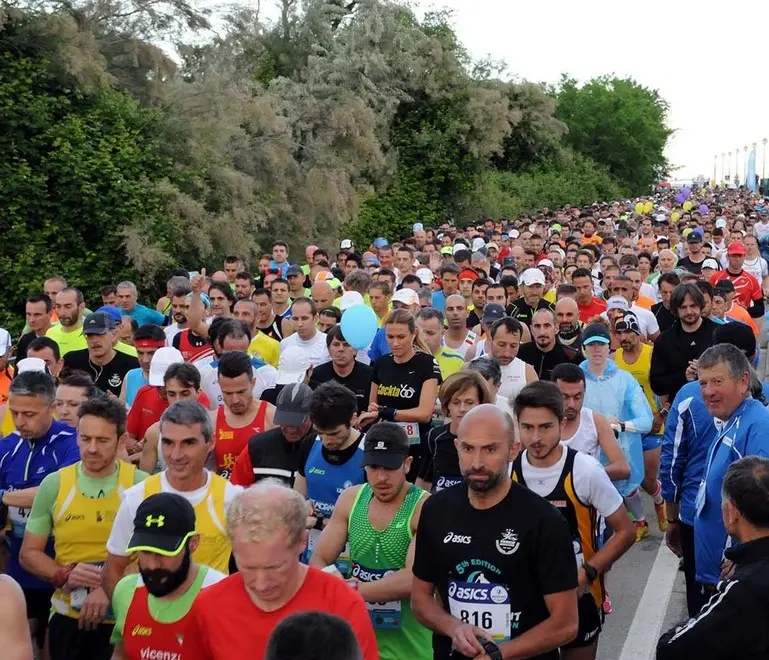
(144, 315)
(134, 381)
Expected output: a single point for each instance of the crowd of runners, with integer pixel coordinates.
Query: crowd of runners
(433, 446)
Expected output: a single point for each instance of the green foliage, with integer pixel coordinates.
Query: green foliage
(617, 123)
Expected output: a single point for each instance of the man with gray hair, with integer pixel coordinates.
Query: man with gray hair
(267, 526)
(39, 446)
(186, 441)
(127, 296)
(741, 423)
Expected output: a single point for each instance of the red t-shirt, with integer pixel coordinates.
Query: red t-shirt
(595, 308)
(225, 624)
(147, 408)
(745, 285)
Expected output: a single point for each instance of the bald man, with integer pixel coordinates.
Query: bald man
(457, 336)
(569, 325)
(322, 295)
(466, 539)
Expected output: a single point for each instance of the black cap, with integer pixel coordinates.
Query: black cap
(492, 313)
(385, 445)
(294, 270)
(724, 286)
(596, 333)
(628, 321)
(508, 262)
(163, 524)
(694, 237)
(97, 323)
(293, 405)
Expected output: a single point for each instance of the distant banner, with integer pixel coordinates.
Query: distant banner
(750, 181)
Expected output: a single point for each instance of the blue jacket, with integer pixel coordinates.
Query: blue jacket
(25, 465)
(379, 346)
(743, 434)
(689, 430)
(439, 300)
(618, 394)
(144, 315)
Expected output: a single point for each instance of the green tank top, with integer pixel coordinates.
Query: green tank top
(374, 554)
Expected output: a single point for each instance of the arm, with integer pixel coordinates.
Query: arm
(243, 472)
(118, 559)
(122, 396)
(531, 375)
(617, 467)
(641, 417)
(269, 416)
(675, 452)
(196, 316)
(23, 498)
(113, 571)
(424, 411)
(334, 535)
(618, 544)
(14, 630)
(300, 486)
(149, 457)
(659, 376)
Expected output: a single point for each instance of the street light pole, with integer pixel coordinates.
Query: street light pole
(763, 164)
(745, 170)
(715, 170)
(729, 167)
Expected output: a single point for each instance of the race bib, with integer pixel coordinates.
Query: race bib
(384, 615)
(342, 562)
(485, 606)
(18, 518)
(412, 431)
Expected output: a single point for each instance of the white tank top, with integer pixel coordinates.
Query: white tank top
(585, 438)
(513, 378)
(481, 350)
(468, 341)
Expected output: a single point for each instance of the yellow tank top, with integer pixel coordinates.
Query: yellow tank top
(640, 371)
(214, 549)
(81, 525)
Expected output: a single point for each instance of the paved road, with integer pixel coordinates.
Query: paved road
(635, 605)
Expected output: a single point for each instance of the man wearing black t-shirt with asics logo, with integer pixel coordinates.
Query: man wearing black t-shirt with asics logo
(499, 556)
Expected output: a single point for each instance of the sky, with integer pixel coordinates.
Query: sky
(709, 65)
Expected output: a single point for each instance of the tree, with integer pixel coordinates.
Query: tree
(619, 124)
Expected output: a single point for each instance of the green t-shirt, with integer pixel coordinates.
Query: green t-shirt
(163, 611)
(40, 520)
(76, 341)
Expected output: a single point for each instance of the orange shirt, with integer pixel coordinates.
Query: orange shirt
(644, 302)
(243, 633)
(739, 313)
(595, 239)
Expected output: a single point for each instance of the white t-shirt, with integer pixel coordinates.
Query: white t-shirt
(756, 267)
(760, 230)
(123, 527)
(513, 379)
(591, 483)
(315, 348)
(171, 332)
(264, 378)
(648, 291)
(585, 438)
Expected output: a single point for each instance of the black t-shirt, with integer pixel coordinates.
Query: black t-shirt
(400, 387)
(665, 318)
(358, 382)
(275, 457)
(270, 395)
(694, 267)
(544, 363)
(109, 377)
(440, 463)
(520, 549)
(23, 345)
(522, 311)
(472, 320)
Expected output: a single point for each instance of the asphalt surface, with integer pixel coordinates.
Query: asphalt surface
(626, 583)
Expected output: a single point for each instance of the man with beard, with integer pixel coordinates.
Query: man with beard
(262, 346)
(68, 334)
(178, 305)
(499, 557)
(156, 601)
(533, 283)
(661, 310)
(457, 336)
(576, 485)
(569, 325)
(545, 353)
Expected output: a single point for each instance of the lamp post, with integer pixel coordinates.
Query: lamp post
(737, 163)
(723, 166)
(729, 166)
(745, 168)
(763, 163)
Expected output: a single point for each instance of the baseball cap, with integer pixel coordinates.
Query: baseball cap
(380, 242)
(694, 237)
(447, 250)
(478, 243)
(710, 263)
(721, 223)
(294, 270)
(350, 299)
(163, 524)
(736, 247)
(425, 274)
(163, 358)
(532, 276)
(546, 263)
(596, 333)
(31, 364)
(293, 404)
(5, 341)
(556, 228)
(386, 445)
(508, 262)
(406, 297)
(514, 233)
(629, 321)
(492, 245)
(346, 244)
(617, 302)
(97, 323)
(112, 312)
(468, 274)
(724, 286)
(492, 313)
(457, 247)
(292, 366)
(418, 226)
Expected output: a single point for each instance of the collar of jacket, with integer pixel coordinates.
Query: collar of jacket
(747, 553)
(610, 371)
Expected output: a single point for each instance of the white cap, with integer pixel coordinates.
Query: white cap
(532, 276)
(492, 245)
(721, 223)
(346, 244)
(545, 262)
(425, 274)
(293, 365)
(457, 247)
(350, 299)
(710, 263)
(31, 364)
(163, 358)
(5, 341)
(406, 297)
(478, 243)
(514, 233)
(618, 302)
(418, 226)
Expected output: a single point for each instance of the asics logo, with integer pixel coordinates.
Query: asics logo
(457, 538)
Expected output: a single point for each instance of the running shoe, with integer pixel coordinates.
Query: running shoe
(607, 609)
(662, 517)
(641, 529)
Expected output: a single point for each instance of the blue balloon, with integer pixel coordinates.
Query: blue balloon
(359, 325)
(687, 193)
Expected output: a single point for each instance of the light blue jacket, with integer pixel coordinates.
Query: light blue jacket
(743, 434)
(689, 430)
(618, 394)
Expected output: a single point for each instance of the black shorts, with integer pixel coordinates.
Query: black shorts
(68, 642)
(38, 610)
(590, 620)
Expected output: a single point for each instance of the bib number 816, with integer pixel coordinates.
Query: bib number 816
(477, 619)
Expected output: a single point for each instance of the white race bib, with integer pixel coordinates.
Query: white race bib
(384, 615)
(342, 562)
(485, 606)
(412, 431)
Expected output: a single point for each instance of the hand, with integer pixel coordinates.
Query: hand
(435, 262)
(673, 539)
(727, 570)
(367, 419)
(465, 639)
(94, 610)
(85, 575)
(582, 581)
(691, 370)
(657, 422)
(197, 282)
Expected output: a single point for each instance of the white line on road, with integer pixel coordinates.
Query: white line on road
(641, 640)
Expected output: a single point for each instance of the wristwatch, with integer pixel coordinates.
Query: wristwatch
(590, 572)
(492, 650)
